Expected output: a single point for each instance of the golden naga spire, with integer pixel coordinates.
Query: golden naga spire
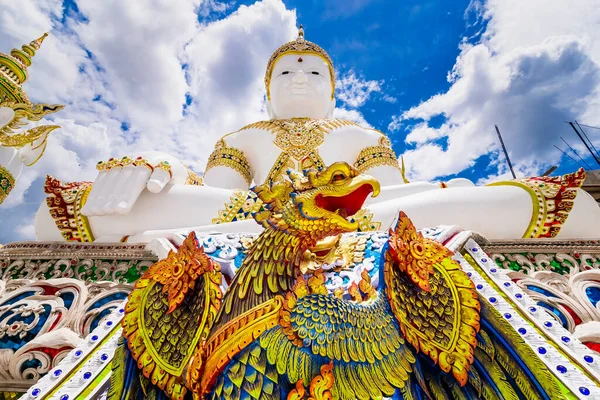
(13, 71)
(299, 46)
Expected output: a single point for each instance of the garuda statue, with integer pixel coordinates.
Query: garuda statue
(275, 333)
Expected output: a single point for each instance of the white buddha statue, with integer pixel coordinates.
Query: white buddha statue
(153, 195)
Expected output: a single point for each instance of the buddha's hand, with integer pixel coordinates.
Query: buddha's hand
(121, 181)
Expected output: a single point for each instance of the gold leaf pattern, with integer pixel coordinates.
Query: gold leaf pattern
(374, 156)
(163, 332)
(433, 299)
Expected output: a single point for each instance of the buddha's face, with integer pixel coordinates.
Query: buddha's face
(301, 87)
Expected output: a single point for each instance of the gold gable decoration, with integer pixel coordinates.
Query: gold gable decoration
(13, 71)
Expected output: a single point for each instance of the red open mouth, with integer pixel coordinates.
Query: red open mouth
(347, 205)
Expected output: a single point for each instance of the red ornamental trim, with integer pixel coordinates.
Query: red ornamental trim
(51, 352)
(64, 203)
(553, 198)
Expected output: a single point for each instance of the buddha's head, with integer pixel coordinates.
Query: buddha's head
(300, 81)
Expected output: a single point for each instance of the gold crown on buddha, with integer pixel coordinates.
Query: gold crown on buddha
(299, 46)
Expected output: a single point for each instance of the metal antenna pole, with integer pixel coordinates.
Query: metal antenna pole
(550, 170)
(512, 171)
(577, 154)
(588, 126)
(584, 142)
(588, 139)
(574, 160)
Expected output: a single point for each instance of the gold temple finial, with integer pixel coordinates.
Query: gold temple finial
(38, 42)
(13, 70)
(300, 32)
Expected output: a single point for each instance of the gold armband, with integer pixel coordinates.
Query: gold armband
(553, 199)
(374, 156)
(64, 203)
(7, 183)
(229, 157)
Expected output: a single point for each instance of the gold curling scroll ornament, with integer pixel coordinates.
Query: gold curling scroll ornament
(22, 115)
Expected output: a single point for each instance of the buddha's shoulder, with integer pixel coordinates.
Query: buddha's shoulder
(245, 135)
(326, 125)
(354, 131)
(334, 126)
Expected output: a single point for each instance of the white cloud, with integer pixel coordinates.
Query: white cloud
(136, 64)
(227, 61)
(208, 7)
(389, 99)
(351, 115)
(26, 231)
(533, 69)
(354, 91)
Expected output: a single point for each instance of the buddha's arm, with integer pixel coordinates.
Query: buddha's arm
(377, 158)
(527, 208)
(407, 189)
(227, 168)
(177, 206)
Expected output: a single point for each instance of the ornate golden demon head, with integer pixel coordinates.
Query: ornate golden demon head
(317, 203)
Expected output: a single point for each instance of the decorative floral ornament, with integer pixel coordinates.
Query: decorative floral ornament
(126, 161)
(374, 156)
(414, 254)
(64, 203)
(299, 140)
(7, 183)
(112, 163)
(165, 166)
(320, 386)
(179, 271)
(193, 179)
(230, 157)
(142, 162)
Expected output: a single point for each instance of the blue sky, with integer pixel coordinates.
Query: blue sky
(435, 75)
(410, 45)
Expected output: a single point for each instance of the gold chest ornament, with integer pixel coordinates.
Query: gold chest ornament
(299, 140)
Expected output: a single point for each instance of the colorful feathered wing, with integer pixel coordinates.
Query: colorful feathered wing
(168, 315)
(426, 335)
(453, 330)
(370, 358)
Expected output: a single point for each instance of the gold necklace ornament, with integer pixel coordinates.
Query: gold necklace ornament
(299, 140)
